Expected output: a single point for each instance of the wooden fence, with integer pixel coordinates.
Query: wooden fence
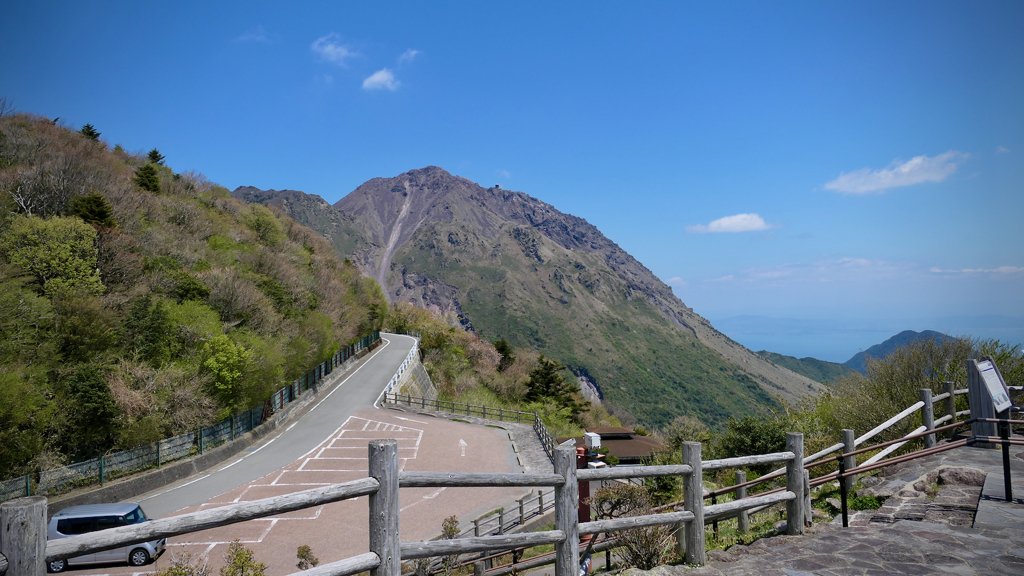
(24, 550)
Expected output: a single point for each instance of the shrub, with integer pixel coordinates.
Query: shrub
(240, 561)
(306, 558)
(60, 252)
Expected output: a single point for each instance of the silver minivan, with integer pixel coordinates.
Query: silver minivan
(92, 517)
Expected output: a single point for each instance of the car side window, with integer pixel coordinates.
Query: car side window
(104, 522)
(135, 516)
(75, 526)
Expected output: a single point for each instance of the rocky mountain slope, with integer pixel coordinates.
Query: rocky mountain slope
(512, 266)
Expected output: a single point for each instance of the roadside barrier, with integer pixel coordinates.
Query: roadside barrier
(98, 471)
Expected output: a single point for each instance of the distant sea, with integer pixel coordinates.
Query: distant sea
(839, 340)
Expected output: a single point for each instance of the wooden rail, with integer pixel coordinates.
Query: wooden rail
(29, 552)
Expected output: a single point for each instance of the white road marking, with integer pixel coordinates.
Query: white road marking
(462, 444)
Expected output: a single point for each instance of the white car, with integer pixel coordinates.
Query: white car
(92, 517)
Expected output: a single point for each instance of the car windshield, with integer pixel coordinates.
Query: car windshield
(135, 516)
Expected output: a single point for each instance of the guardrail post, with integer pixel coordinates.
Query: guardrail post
(102, 462)
(692, 544)
(385, 540)
(23, 535)
(476, 527)
(795, 484)
(849, 462)
(743, 520)
(951, 405)
(567, 502)
(522, 511)
(540, 502)
(501, 521)
(158, 462)
(928, 416)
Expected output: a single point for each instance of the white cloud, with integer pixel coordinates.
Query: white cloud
(330, 49)
(999, 270)
(737, 223)
(504, 173)
(257, 34)
(1002, 150)
(677, 282)
(382, 79)
(917, 170)
(408, 56)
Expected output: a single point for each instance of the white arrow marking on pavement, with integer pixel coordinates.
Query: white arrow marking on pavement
(462, 444)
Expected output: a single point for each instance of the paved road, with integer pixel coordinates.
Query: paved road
(359, 388)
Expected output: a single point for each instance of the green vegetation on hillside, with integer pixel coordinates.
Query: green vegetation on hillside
(137, 303)
(817, 370)
(648, 370)
(467, 368)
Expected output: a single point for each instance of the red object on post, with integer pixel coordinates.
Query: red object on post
(584, 487)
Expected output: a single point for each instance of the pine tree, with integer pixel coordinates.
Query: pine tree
(89, 131)
(156, 157)
(147, 178)
(94, 209)
(507, 357)
(547, 384)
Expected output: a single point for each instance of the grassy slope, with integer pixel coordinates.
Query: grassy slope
(817, 370)
(533, 292)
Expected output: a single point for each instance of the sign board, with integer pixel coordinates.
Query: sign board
(994, 382)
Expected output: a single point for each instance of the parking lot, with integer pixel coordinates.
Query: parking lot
(339, 530)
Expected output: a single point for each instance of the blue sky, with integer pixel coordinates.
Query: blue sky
(811, 176)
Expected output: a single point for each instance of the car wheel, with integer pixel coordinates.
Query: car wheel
(57, 566)
(138, 557)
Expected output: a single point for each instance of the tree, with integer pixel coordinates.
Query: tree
(449, 531)
(240, 561)
(507, 357)
(547, 384)
(306, 558)
(226, 362)
(59, 252)
(156, 157)
(90, 412)
(752, 435)
(150, 330)
(89, 131)
(147, 178)
(94, 209)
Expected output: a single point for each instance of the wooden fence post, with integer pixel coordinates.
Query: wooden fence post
(522, 511)
(540, 502)
(795, 484)
(850, 462)
(808, 509)
(951, 405)
(567, 502)
(23, 535)
(928, 416)
(743, 520)
(693, 501)
(385, 540)
(478, 568)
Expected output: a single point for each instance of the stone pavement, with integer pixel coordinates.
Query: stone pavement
(945, 514)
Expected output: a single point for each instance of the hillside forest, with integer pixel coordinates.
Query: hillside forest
(137, 302)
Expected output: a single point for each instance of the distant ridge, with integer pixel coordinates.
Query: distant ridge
(859, 362)
(817, 370)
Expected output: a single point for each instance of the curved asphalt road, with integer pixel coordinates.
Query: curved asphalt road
(357, 389)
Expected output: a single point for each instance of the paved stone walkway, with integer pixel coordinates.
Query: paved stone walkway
(943, 515)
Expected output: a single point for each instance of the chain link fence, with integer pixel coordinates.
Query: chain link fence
(116, 464)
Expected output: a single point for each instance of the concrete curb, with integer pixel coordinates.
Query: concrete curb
(141, 483)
